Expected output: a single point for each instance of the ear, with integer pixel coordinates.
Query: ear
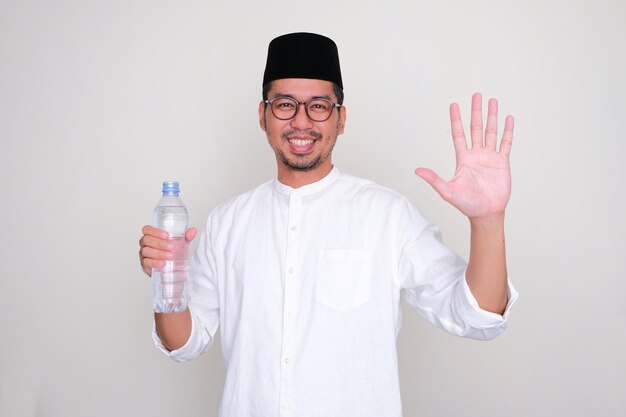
(341, 123)
(262, 115)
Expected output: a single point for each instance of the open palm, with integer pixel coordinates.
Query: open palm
(481, 184)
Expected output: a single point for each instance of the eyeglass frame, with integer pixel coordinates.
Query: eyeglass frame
(306, 107)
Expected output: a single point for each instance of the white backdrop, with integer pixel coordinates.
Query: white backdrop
(101, 101)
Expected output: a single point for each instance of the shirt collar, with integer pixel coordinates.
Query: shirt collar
(309, 188)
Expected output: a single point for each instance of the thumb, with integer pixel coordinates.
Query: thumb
(190, 234)
(442, 187)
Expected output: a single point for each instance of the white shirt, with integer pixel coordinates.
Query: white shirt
(305, 286)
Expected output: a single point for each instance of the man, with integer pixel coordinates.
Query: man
(303, 275)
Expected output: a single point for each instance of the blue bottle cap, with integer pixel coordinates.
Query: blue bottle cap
(171, 188)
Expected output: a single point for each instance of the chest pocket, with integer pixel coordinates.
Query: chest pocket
(344, 278)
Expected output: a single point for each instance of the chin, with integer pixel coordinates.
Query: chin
(303, 167)
(300, 165)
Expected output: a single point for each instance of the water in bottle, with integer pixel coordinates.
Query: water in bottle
(169, 289)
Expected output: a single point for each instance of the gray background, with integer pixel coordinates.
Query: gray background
(101, 101)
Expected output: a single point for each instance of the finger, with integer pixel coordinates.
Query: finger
(150, 253)
(476, 122)
(442, 187)
(491, 131)
(153, 231)
(156, 242)
(147, 264)
(507, 137)
(190, 234)
(458, 136)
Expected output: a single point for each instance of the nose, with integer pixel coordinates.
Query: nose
(301, 120)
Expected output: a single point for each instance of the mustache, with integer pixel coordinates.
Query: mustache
(306, 132)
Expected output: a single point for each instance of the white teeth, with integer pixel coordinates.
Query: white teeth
(301, 142)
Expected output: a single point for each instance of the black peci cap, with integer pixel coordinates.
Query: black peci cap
(302, 55)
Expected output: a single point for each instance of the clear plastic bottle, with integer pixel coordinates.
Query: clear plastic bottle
(169, 289)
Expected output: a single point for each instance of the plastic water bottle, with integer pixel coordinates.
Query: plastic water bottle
(169, 289)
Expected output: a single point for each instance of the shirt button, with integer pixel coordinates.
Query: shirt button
(287, 361)
(284, 406)
(291, 270)
(290, 316)
(294, 228)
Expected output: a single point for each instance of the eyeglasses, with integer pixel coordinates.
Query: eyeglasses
(317, 109)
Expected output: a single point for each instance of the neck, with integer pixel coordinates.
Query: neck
(297, 179)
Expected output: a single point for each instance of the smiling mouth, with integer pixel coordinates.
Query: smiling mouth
(301, 142)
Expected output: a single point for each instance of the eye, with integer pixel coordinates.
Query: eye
(284, 104)
(319, 106)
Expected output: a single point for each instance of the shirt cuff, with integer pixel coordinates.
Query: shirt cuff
(189, 350)
(478, 318)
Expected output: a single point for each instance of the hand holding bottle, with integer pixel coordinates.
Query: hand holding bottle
(173, 329)
(155, 248)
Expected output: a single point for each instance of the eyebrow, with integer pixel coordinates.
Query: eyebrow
(327, 97)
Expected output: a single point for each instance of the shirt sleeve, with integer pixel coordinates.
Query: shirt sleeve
(432, 279)
(203, 302)
(198, 343)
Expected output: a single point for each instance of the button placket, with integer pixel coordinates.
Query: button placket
(290, 306)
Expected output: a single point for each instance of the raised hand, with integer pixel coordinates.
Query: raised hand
(481, 185)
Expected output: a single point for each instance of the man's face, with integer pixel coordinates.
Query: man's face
(301, 144)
